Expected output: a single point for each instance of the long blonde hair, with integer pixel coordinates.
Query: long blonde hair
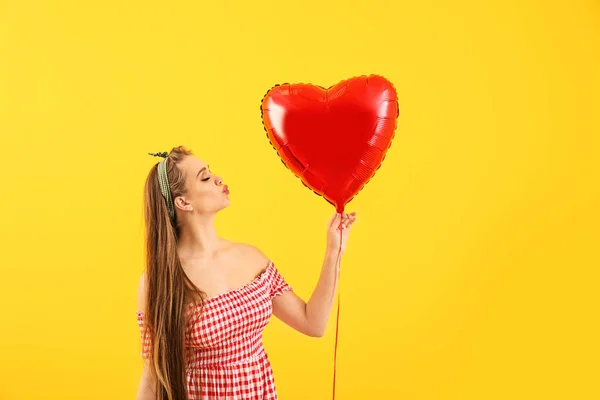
(167, 286)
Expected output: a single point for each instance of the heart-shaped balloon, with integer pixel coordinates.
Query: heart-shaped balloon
(334, 139)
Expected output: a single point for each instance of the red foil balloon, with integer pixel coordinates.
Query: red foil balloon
(334, 139)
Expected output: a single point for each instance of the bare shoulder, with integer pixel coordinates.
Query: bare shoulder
(252, 256)
(141, 293)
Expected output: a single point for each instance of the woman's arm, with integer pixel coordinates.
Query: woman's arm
(311, 317)
(147, 384)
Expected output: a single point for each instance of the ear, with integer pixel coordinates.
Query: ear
(181, 203)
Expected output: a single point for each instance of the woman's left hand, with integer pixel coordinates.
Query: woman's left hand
(333, 231)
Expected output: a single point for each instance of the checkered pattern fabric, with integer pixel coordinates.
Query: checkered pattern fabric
(225, 354)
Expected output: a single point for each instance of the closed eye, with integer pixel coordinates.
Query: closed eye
(207, 178)
(207, 168)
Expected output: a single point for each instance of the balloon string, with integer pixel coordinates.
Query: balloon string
(337, 321)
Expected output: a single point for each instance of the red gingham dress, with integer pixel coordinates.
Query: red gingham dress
(226, 358)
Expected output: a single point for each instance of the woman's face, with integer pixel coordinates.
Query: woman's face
(205, 192)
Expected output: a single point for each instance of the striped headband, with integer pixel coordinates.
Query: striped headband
(165, 188)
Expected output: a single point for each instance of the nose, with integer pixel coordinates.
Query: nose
(219, 181)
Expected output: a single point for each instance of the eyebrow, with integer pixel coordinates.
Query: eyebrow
(202, 169)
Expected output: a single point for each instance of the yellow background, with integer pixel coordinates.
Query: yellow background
(472, 270)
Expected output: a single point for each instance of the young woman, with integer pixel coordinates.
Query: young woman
(203, 301)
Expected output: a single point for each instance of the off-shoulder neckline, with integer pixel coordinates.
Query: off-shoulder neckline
(270, 265)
